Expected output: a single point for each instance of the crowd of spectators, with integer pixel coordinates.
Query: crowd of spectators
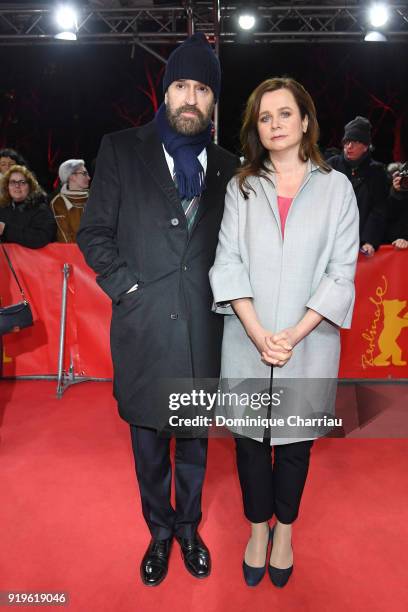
(381, 197)
(32, 219)
(28, 216)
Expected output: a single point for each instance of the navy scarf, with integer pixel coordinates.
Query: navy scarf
(184, 150)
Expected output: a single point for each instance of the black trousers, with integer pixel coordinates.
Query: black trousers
(154, 473)
(272, 488)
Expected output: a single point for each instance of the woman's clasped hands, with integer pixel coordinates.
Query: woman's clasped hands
(276, 349)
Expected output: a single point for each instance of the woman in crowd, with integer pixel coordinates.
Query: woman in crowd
(25, 217)
(284, 277)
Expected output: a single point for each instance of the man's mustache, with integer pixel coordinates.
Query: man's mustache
(189, 109)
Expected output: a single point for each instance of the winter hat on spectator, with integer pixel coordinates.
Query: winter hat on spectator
(359, 129)
(194, 60)
(69, 167)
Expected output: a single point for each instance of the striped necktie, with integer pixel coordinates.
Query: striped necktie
(190, 207)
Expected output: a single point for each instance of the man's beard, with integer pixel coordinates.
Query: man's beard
(189, 126)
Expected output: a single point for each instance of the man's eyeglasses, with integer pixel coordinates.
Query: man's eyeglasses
(83, 172)
(20, 183)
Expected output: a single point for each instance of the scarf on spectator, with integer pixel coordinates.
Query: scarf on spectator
(73, 197)
(189, 173)
(355, 163)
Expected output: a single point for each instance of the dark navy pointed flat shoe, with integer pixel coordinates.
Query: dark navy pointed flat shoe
(278, 576)
(254, 575)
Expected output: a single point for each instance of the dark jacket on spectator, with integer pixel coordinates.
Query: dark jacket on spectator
(371, 187)
(29, 223)
(397, 222)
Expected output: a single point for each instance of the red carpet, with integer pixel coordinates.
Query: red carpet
(70, 517)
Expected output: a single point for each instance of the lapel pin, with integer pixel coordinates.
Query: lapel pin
(218, 173)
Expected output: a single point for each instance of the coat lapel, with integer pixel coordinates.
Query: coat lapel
(269, 190)
(150, 152)
(212, 182)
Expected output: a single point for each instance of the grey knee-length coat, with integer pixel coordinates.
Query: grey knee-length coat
(312, 266)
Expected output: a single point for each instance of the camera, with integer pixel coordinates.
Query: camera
(403, 173)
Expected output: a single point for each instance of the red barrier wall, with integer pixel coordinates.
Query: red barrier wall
(35, 350)
(377, 344)
(376, 347)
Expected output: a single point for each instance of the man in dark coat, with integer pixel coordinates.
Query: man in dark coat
(150, 232)
(369, 180)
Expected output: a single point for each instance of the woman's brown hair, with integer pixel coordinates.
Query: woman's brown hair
(34, 186)
(254, 152)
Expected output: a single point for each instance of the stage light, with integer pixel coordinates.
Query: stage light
(66, 36)
(66, 19)
(378, 14)
(375, 36)
(246, 21)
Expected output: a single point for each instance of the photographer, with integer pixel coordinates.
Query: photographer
(397, 222)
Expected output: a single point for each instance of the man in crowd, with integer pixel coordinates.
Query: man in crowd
(8, 158)
(150, 232)
(69, 204)
(369, 181)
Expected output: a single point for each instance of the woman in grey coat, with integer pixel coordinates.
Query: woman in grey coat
(283, 276)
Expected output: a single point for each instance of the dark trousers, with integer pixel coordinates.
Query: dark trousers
(153, 470)
(272, 488)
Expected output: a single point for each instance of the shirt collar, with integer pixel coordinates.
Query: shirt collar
(202, 158)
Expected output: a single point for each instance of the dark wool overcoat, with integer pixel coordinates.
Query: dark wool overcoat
(134, 231)
(371, 187)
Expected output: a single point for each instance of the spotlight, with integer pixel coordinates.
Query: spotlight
(66, 36)
(378, 14)
(246, 21)
(66, 19)
(375, 36)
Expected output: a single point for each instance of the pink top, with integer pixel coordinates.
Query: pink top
(284, 205)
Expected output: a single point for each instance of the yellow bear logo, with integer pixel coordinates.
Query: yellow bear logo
(393, 325)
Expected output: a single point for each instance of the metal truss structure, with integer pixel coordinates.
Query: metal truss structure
(151, 24)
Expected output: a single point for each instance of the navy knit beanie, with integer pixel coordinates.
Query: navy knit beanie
(359, 129)
(195, 60)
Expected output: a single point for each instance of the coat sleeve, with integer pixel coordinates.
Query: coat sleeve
(64, 229)
(229, 277)
(374, 228)
(397, 221)
(97, 232)
(37, 232)
(334, 296)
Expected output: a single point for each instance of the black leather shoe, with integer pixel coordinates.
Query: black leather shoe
(196, 556)
(153, 568)
(278, 576)
(254, 575)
